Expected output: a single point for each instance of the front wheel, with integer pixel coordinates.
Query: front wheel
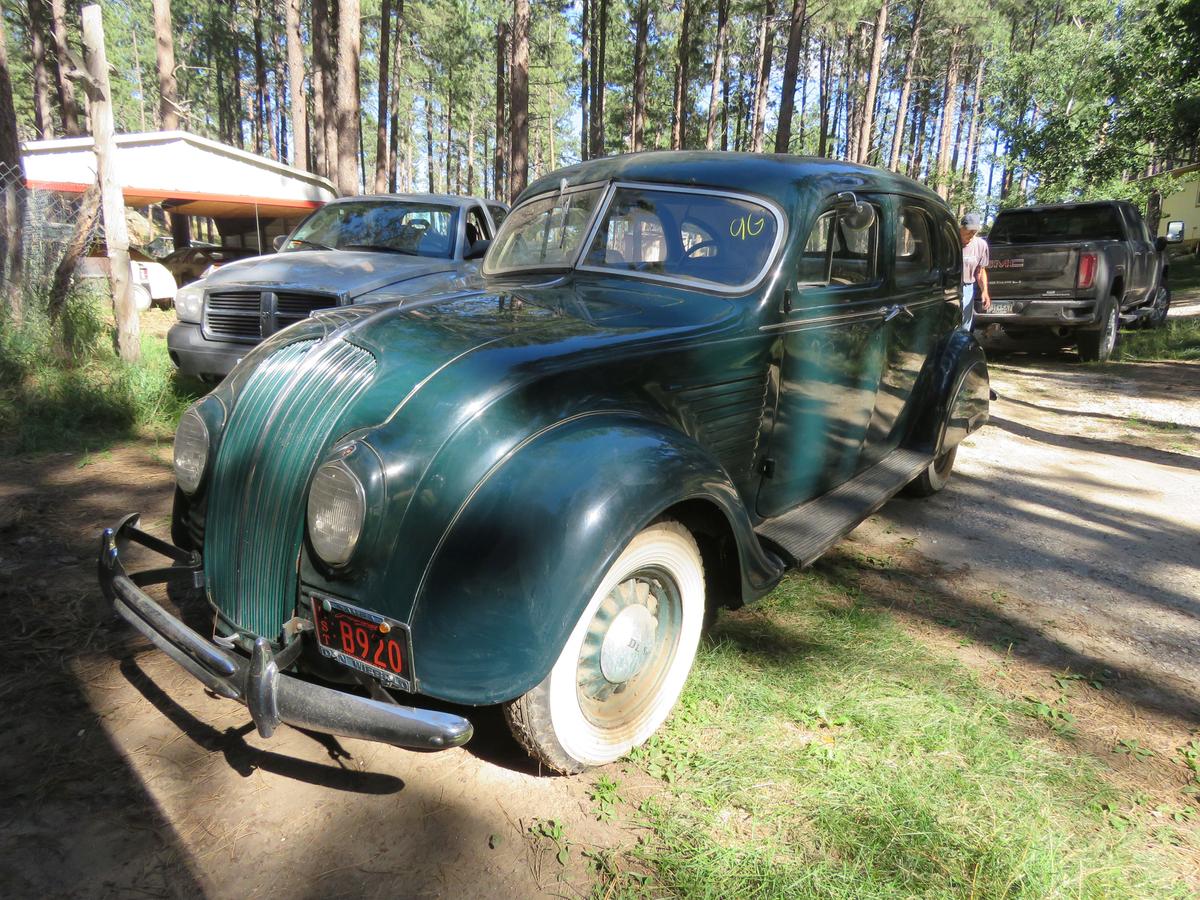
(624, 665)
(1098, 346)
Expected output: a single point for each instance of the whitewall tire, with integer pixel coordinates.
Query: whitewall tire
(624, 665)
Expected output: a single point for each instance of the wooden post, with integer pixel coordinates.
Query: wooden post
(112, 201)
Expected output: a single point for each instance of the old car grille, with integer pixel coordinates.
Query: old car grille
(247, 315)
(278, 430)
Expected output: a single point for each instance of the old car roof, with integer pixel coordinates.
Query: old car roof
(777, 175)
(444, 199)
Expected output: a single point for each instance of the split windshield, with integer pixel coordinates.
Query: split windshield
(389, 226)
(681, 236)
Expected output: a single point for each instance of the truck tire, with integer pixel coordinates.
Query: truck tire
(1159, 308)
(1098, 345)
(601, 700)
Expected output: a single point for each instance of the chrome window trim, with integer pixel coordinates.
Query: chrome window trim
(605, 188)
(781, 231)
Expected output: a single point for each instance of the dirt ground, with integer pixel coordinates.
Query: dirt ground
(1067, 542)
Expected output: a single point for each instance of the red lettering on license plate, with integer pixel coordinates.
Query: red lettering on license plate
(380, 645)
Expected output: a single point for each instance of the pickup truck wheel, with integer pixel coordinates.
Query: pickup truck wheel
(935, 476)
(1159, 308)
(1098, 346)
(624, 665)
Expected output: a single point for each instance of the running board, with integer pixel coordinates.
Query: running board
(809, 530)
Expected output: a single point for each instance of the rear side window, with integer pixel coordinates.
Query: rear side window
(1052, 226)
(499, 213)
(841, 249)
(915, 256)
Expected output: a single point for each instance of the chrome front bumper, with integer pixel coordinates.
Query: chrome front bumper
(271, 695)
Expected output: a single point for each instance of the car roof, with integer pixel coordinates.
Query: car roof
(444, 199)
(779, 176)
(1083, 204)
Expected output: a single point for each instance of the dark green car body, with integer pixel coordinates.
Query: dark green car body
(511, 440)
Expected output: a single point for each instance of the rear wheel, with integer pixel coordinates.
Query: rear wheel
(935, 476)
(1098, 346)
(624, 665)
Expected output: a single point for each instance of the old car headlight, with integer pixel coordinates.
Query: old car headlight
(189, 302)
(337, 506)
(191, 451)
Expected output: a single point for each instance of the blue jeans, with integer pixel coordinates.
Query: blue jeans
(968, 306)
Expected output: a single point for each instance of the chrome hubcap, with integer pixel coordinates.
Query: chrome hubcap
(628, 648)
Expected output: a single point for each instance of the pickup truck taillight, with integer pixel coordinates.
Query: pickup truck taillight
(1087, 270)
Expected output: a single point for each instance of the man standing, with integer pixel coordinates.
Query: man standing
(975, 262)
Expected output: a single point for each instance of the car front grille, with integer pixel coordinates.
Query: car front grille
(278, 431)
(248, 316)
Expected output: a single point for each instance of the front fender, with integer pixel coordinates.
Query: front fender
(525, 551)
(953, 395)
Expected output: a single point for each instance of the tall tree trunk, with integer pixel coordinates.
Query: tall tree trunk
(349, 46)
(963, 112)
(825, 62)
(600, 84)
(519, 160)
(67, 104)
(765, 50)
(718, 69)
(321, 88)
(920, 126)
(431, 170)
(116, 235)
(868, 121)
(682, 54)
(642, 30)
(12, 191)
(449, 127)
(906, 86)
(259, 119)
(499, 165)
(296, 99)
(381, 131)
(946, 123)
(791, 64)
(969, 165)
(394, 93)
(585, 79)
(164, 54)
(471, 153)
(43, 121)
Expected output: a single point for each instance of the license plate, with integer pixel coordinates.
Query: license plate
(363, 640)
(1001, 308)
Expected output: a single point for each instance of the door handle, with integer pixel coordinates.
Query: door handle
(892, 312)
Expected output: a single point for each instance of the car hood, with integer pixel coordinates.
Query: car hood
(348, 273)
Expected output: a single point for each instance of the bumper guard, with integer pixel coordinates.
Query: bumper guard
(271, 696)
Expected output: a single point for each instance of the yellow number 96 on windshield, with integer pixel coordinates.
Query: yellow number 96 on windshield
(747, 227)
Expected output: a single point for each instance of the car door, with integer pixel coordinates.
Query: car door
(915, 311)
(832, 357)
(1142, 256)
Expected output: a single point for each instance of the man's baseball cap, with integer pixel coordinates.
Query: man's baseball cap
(971, 222)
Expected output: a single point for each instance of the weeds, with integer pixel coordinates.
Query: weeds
(63, 387)
(605, 797)
(552, 831)
(1133, 750)
(1179, 339)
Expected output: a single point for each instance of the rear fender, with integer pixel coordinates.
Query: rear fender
(522, 556)
(952, 394)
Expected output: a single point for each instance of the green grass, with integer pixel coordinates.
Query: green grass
(1179, 339)
(74, 393)
(1185, 273)
(818, 751)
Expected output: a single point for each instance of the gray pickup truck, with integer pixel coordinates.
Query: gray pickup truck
(354, 250)
(1075, 273)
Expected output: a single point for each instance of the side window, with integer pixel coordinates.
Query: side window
(499, 213)
(477, 226)
(914, 248)
(951, 256)
(842, 248)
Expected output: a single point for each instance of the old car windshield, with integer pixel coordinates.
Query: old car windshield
(415, 229)
(544, 233)
(689, 235)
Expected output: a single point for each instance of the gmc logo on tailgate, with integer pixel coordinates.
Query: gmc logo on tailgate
(1017, 263)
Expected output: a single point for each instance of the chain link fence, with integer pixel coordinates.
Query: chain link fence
(48, 222)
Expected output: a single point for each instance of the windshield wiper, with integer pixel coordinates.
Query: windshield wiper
(312, 245)
(381, 248)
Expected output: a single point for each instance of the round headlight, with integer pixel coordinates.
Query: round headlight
(191, 451)
(189, 302)
(337, 505)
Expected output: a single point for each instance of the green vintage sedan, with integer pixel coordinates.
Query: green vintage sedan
(680, 374)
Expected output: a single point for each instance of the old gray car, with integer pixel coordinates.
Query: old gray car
(355, 250)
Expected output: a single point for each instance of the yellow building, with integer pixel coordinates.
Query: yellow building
(1179, 221)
